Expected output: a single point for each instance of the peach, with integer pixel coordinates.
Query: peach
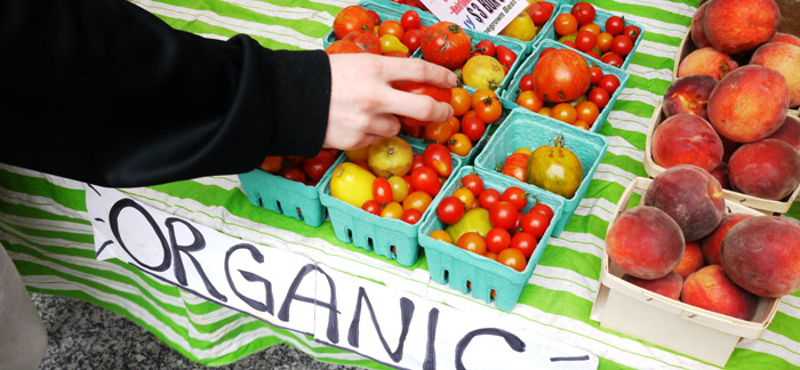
(762, 255)
(645, 243)
(707, 61)
(686, 139)
(749, 103)
(691, 196)
(789, 132)
(785, 37)
(721, 174)
(767, 169)
(692, 260)
(696, 28)
(736, 26)
(784, 58)
(710, 288)
(689, 94)
(670, 285)
(711, 243)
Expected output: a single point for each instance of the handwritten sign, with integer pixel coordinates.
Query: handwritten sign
(288, 290)
(489, 16)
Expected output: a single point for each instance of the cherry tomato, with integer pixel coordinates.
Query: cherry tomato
(271, 164)
(604, 41)
(474, 128)
(450, 210)
(543, 209)
(441, 235)
(293, 173)
(609, 83)
(513, 258)
(503, 214)
(515, 166)
(455, 124)
(506, 56)
(526, 82)
(413, 131)
(596, 73)
(587, 111)
(437, 157)
(485, 47)
(570, 44)
(392, 210)
(473, 183)
(438, 132)
(565, 24)
(372, 206)
(564, 112)
(411, 216)
(632, 32)
(585, 41)
(399, 188)
(591, 27)
(465, 196)
(528, 99)
(497, 239)
(418, 200)
(516, 196)
(391, 27)
(460, 100)
(621, 45)
(492, 256)
(615, 25)
(540, 12)
(425, 179)
(473, 242)
(488, 198)
(381, 190)
(488, 110)
(599, 96)
(613, 59)
(411, 39)
(534, 223)
(482, 94)
(459, 144)
(410, 20)
(584, 12)
(525, 243)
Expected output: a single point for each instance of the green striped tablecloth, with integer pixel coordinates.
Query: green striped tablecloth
(45, 227)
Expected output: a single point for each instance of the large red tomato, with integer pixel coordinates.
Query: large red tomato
(365, 39)
(351, 18)
(437, 93)
(561, 75)
(446, 44)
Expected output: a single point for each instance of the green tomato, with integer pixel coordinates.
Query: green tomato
(476, 219)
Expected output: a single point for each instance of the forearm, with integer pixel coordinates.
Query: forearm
(102, 91)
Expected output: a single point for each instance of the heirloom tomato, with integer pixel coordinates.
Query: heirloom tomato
(446, 44)
(343, 47)
(521, 28)
(366, 40)
(476, 219)
(555, 169)
(515, 165)
(351, 18)
(390, 156)
(561, 75)
(483, 72)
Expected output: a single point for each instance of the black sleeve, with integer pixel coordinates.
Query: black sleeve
(103, 91)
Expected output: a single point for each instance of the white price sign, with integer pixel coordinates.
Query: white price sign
(489, 16)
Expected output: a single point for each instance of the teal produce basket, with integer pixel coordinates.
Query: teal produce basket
(600, 18)
(287, 197)
(370, 232)
(527, 129)
(472, 273)
(512, 92)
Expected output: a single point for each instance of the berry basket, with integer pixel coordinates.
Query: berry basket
(287, 197)
(470, 272)
(391, 238)
(512, 91)
(600, 19)
(523, 128)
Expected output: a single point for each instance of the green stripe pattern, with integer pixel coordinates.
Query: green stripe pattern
(44, 222)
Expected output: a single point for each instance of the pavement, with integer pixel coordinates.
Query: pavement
(88, 337)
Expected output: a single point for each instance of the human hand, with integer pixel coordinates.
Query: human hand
(364, 105)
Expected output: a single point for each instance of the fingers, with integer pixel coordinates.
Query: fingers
(421, 107)
(413, 69)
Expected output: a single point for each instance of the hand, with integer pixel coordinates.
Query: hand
(364, 104)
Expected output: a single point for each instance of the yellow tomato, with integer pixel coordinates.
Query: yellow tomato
(520, 28)
(351, 183)
(441, 235)
(392, 210)
(483, 72)
(399, 188)
(523, 150)
(390, 44)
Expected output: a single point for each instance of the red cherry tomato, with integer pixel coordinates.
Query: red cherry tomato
(596, 74)
(609, 83)
(485, 47)
(540, 12)
(410, 20)
(293, 173)
(583, 12)
(450, 209)
(437, 156)
(411, 216)
(516, 196)
(497, 239)
(525, 243)
(506, 56)
(622, 45)
(585, 41)
(316, 167)
(543, 209)
(372, 206)
(526, 82)
(376, 19)
(534, 223)
(488, 198)
(615, 25)
(613, 59)
(425, 179)
(503, 215)
(473, 183)
(382, 190)
(412, 38)
(599, 96)
(632, 32)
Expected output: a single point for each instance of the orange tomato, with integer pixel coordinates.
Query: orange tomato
(465, 196)
(564, 112)
(441, 235)
(390, 27)
(392, 210)
(591, 27)
(513, 258)
(489, 109)
(438, 131)
(604, 41)
(587, 111)
(455, 124)
(418, 200)
(481, 94)
(460, 100)
(545, 111)
(528, 99)
(473, 242)
(459, 144)
(565, 24)
(271, 164)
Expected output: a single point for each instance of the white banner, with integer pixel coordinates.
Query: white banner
(290, 291)
(489, 16)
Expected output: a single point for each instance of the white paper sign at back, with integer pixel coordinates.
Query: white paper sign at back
(489, 16)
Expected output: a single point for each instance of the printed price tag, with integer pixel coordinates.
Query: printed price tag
(489, 16)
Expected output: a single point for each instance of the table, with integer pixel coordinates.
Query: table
(46, 229)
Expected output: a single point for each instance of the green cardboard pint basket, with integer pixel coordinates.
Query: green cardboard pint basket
(472, 273)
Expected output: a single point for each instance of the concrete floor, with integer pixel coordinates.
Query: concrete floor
(87, 337)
